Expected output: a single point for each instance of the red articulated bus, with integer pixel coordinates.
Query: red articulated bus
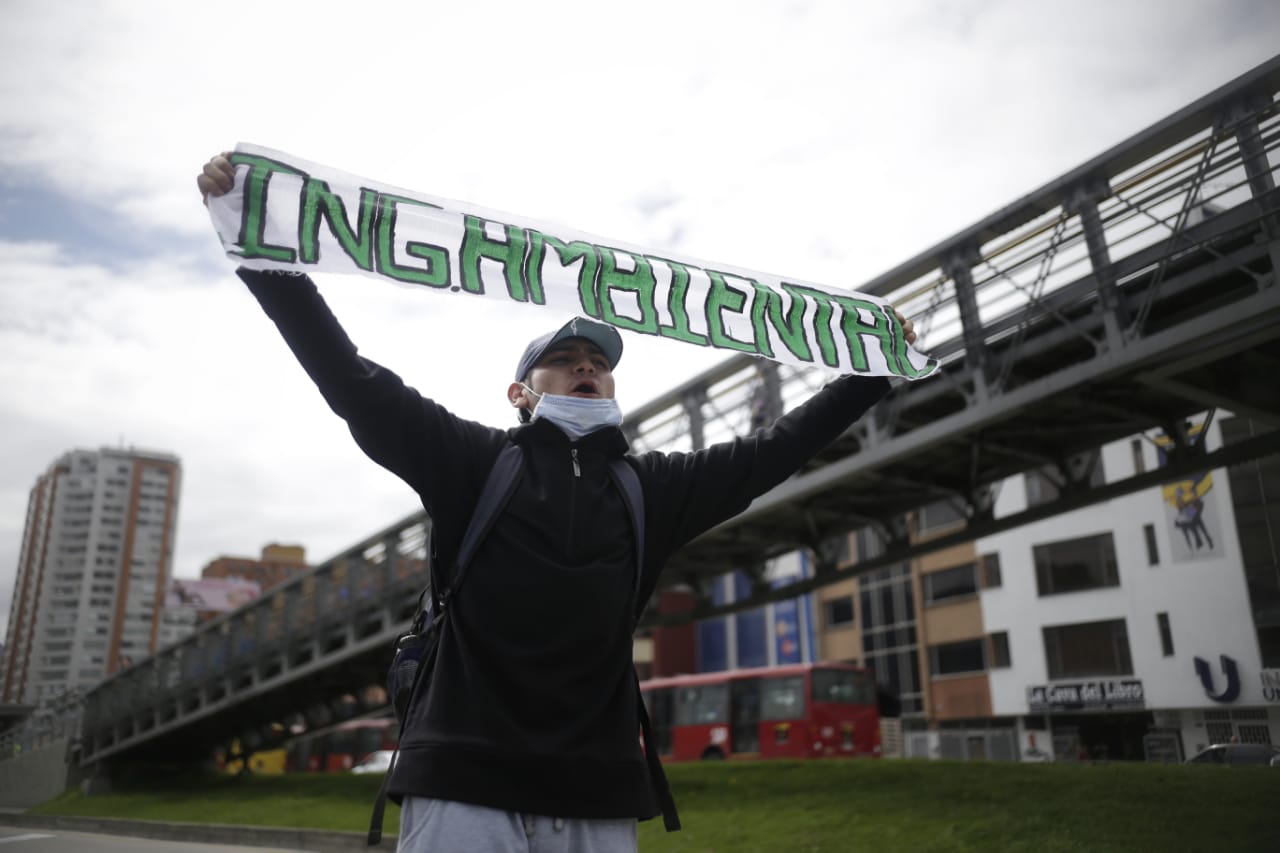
(798, 711)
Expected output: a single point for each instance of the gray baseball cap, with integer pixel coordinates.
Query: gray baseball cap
(605, 337)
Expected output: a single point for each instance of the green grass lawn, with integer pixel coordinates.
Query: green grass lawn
(733, 807)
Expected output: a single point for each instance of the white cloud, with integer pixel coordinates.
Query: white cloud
(824, 140)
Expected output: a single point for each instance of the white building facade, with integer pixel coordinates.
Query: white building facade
(97, 549)
(1140, 627)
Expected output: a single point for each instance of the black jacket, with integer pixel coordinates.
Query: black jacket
(532, 706)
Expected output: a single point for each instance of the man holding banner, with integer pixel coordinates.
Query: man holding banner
(527, 738)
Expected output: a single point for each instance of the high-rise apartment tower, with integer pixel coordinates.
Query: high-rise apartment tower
(97, 549)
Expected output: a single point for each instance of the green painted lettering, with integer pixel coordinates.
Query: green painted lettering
(853, 327)
(821, 321)
(253, 222)
(435, 272)
(477, 246)
(676, 296)
(320, 202)
(567, 254)
(720, 298)
(767, 313)
(638, 280)
(884, 327)
(900, 346)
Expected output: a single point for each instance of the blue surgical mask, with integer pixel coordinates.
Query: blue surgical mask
(577, 417)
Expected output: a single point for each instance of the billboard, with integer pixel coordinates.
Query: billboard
(1190, 507)
(210, 594)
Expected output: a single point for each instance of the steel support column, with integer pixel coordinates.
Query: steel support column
(1084, 202)
(692, 403)
(959, 267)
(766, 397)
(1243, 118)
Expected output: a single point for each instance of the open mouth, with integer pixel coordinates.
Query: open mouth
(585, 388)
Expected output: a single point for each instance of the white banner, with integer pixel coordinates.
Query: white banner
(289, 214)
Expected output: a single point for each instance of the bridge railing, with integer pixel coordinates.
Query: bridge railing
(48, 725)
(362, 590)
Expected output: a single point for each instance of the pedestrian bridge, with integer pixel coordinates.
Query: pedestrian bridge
(1129, 294)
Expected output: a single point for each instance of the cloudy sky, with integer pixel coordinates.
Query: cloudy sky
(822, 140)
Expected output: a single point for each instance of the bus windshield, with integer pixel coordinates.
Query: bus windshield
(838, 685)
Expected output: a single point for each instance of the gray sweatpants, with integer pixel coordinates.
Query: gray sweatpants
(445, 826)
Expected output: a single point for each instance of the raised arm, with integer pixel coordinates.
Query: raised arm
(693, 492)
(689, 493)
(395, 425)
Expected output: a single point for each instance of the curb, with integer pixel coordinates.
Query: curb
(311, 840)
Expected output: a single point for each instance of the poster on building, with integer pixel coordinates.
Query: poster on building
(792, 618)
(786, 631)
(218, 595)
(1192, 516)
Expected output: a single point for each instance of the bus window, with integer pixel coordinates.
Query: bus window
(838, 685)
(697, 706)
(659, 704)
(783, 698)
(745, 693)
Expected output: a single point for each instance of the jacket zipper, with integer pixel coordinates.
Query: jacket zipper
(573, 498)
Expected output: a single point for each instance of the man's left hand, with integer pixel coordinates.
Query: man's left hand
(908, 328)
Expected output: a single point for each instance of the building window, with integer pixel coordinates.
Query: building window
(1139, 464)
(1087, 649)
(889, 635)
(990, 571)
(1218, 732)
(1000, 650)
(839, 611)
(957, 582)
(955, 658)
(1045, 484)
(1254, 734)
(1076, 564)
(1041, 487)
(1166, 634)
(839, 549)
(1153, 552)
(939, 514)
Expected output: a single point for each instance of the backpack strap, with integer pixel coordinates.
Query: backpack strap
(670, 817)
(498, 488)
(628, 482)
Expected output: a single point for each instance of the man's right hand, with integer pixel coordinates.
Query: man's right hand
(217, 178)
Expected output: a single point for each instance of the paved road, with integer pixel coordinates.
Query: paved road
(20, 840)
